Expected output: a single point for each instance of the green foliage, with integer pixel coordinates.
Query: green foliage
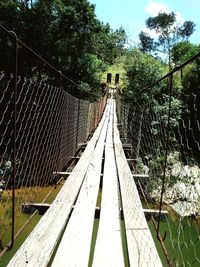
(147, 43)
(93, 67)
(176, 110)
(191, 73)
(183, 51)
(187, 29)
(190, 81)
(64, 32)
(161, 23)
(142, 70)
(117, 68)
(109, 44)
(191, 78)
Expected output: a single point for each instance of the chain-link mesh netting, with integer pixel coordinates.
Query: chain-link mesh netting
(165, 146)
(50, 126)
(41, 127)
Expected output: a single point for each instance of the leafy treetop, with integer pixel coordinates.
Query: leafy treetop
(64, 32)
(168, 32)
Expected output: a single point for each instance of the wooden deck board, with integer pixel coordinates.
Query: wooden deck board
(141, 247)
(39, 246)
(108, 249)
(74, 249)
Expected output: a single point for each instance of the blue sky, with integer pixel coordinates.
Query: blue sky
(131, 14)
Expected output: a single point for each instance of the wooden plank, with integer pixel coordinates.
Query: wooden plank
(140, 176)
(155, 213)
(62, 173)
(143, 250)
(108, 249)
(141, 247)
(74, 248)
(39, 246)
(30, 208)
(152, 211)
(131, 160)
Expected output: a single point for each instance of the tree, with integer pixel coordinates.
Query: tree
(183, 51)
(142, 70)
(64, 32)
(146, 42)
(109, 44)
(191, 74)
(168, 31)
(119, 37)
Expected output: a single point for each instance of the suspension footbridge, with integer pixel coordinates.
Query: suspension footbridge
(81, 161)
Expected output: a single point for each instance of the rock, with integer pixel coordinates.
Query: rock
(181, 190)
(146, 169)
(184, 198)
(1, 193)
(185, 208)
(182, 186)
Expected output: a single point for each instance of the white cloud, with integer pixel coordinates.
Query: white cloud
(154, 8)
(180, 20)
(152, 33)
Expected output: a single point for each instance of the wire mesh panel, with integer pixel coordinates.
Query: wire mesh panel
(91, 116)
(82, 122)
(50, 124)
(72, 125)
(64, 151)
(165, 137)
(6, 151)
(41, 126)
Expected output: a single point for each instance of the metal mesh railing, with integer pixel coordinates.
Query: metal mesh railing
(41, 127)
(165, 135)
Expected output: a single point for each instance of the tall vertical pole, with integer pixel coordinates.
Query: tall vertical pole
(15, 72)
(166, 152)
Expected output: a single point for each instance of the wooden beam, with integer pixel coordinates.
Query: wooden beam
(29, 208)
(138, 176)
(127, 145)
(131, 160)
(155, 213)
(62, 174)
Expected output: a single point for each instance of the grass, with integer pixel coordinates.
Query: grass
(93, 242)
(21, 218)
(124, 244)
(6, 258)
(183, 249)
(182, 240)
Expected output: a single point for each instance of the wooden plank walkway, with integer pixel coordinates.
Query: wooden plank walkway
(141, 247)
(108, 249)
(43, 246)
(78, 234)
